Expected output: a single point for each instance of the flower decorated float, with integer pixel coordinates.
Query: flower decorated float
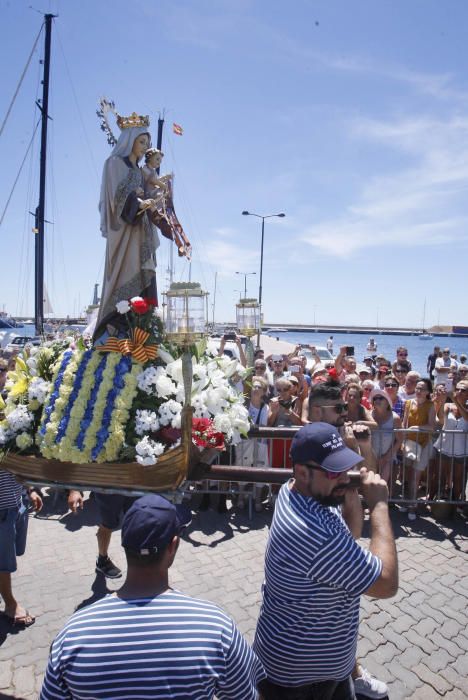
(140, 406)
(135, 412)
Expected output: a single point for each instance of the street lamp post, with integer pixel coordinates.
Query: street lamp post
(245, 279)
(260, 216)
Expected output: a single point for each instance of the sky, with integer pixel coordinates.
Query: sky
(350, 116)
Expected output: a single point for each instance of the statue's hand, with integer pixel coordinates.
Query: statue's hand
(146, 203)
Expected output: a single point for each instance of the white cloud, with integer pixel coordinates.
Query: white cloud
(422, 204)
(227, 257)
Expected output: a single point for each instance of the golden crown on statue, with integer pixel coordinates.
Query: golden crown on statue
(133, 120)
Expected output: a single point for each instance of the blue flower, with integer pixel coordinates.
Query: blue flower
(121, 369)
(67, 355)
(63, 425)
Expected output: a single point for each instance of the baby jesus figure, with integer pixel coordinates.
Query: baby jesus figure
(155, 187)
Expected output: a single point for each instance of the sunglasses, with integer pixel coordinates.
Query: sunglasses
(391, 386)
(403, 354)
(379, 398)
(400, 371)
(339, 407)
(330, 475)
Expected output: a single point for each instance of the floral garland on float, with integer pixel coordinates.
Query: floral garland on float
(123, 400)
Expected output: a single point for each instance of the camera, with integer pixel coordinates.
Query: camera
(229, 336)
(350, 350)
(361, 432)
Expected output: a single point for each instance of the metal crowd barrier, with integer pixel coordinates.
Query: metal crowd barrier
(442, 478)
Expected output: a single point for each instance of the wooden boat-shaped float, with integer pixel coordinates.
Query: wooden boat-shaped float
(170, 471)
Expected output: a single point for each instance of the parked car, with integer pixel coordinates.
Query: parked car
(18, 343)
(324, 354)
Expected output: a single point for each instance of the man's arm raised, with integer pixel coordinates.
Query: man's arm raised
(382, 542)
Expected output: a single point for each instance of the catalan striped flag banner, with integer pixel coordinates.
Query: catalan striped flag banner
(177, 129)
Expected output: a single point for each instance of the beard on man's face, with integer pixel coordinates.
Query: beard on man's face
(331, 500)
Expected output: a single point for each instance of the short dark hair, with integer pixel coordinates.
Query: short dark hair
(324, 392)
(144, 560)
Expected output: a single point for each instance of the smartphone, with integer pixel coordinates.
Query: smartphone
(295, 369)
(350, 350)
(285, 404)
(229, 336)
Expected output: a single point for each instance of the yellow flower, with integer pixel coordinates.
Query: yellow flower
(23, 440)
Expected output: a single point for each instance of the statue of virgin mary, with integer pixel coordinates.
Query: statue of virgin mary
(131, 238)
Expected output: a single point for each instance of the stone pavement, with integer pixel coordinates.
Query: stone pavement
(417, 642)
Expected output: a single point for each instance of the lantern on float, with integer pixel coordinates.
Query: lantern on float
(186, 323)
(248, 324)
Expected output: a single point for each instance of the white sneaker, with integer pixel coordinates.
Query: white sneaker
(370, 687)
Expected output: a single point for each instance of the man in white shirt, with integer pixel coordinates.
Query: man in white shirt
(444, 366)
(408, 389)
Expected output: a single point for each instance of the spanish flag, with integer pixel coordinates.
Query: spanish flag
(177, 129)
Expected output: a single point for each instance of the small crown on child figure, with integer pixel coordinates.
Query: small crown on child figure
(133, 120)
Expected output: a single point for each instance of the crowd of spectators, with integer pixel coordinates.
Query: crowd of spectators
(407, 417)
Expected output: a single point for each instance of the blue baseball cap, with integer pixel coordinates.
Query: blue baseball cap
(151, 522)
(321, 443)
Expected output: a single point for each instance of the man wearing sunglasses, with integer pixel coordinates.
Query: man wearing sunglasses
(401, 356)
(315, 571)
(326, 404)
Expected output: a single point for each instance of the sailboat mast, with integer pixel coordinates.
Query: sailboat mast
(40, 209)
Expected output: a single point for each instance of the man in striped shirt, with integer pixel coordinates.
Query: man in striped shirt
(315, 571)
(13, 531)
(148, 640)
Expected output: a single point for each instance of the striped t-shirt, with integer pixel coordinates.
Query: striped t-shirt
(10, 491)
(170, 646)
(314, 575)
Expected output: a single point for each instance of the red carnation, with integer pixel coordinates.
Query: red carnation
(201, 425)
(216, 440)
(332, 373)
(140, 306)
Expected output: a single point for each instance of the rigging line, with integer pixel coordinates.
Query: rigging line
(198, 242)
(20, 81)
(93, 163)
(25, 271)
(19, 173)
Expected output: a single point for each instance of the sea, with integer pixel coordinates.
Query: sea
(418, 350)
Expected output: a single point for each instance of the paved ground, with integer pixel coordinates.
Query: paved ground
(417, 642)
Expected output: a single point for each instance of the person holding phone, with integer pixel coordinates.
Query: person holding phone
(345, 362)
(283, 414)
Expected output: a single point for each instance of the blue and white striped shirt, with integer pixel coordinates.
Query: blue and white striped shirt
(314, 575)
(170, 646)
(10, 491)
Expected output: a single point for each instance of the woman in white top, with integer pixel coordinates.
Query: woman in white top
(453, 447)
(385, 442)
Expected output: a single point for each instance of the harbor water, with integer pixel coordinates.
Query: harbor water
(418, 350)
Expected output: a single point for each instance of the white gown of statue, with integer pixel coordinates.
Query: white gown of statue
(132, 239)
